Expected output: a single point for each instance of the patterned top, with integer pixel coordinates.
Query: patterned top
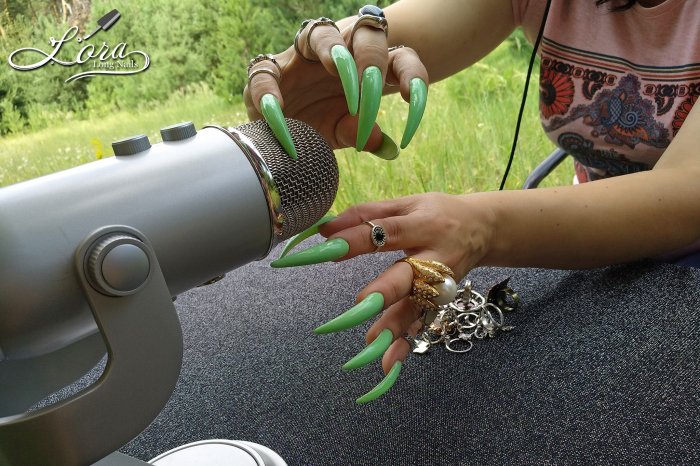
(615, 87)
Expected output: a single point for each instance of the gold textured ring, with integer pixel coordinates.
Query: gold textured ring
(377, 235)
(261, 58)
(376, 22)
(322, 21)
(433, 285)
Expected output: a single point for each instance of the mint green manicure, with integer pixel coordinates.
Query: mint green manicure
(272, 112)
(418, 97)
(347, 69)
(383, 386)
(360, 312)
(372, 352)
(324, 252)
(298, 238)
(370, 97)
(388, 150)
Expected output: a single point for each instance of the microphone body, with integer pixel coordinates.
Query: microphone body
(207, 203)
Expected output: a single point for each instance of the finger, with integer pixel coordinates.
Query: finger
(321, 40)
(370, 46)
(360, 213)
(387, 234)
(406, 68)
(383, 333)
(263, 76)
(398, 318)
(379, 143)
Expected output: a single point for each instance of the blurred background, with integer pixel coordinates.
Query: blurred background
(199, 50)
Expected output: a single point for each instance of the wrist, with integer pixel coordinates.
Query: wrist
(479, 218)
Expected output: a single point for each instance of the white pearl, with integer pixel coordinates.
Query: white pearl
(447, 290)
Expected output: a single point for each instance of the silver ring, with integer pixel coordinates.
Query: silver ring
(266, 71)
(322, 21)
(377, 235)
(410, 339)
(396, 47)
(376, 22)
(260, 58)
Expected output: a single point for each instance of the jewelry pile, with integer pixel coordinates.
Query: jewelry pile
(469, 317)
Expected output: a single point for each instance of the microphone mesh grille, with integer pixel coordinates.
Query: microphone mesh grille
(307, 186)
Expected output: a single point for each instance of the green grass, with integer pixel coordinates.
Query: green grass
(461, 146)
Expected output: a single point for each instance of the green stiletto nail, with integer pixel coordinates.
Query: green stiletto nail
(372, 352)
(347, 69)
(298, 238)
(272, 112)
(370, 97)
(418, 92)
(388, 150)
(360, 312)
(383, 386)
(324, 252)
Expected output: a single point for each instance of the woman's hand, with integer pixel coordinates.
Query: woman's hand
(453, 230)
(320, 82)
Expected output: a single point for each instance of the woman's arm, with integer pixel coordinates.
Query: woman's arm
(602, 222)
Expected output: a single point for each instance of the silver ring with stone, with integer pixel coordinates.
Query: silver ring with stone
(377, 235)
(322, 21)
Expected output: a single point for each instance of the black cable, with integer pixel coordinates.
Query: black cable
(522, 103)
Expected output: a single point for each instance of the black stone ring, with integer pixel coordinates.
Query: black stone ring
(377, 235)
(371, 16)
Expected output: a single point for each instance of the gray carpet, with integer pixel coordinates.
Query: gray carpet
(602, 367)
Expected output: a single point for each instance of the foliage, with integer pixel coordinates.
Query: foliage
(188, 41)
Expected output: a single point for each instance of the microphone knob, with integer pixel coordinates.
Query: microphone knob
(118, 265)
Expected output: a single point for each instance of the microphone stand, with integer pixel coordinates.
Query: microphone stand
(132, 305)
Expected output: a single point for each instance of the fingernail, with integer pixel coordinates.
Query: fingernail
(383, 386)
(370, 97)
(388, 150)
(360, 312)
(372, 352)
(418, 97)
(324, 252)
(272, 112)
(298, 238)
(347, 69)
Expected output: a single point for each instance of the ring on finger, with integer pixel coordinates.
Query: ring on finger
(433, 285)
(261, 58)
(322, 21)
(396, 47)
(377, 235)
(370, 16)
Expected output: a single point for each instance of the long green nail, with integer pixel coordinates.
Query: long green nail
(388, 150)
(298, 238)
(272, 112)
(324, 252)
(360, 312)
(372, 352)
(418, 92)
(370, 98)
(347, 69)
(383, 386)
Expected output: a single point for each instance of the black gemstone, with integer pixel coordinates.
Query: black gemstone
(372, 10)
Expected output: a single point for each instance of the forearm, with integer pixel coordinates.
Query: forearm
(448, 35)
(593, 224)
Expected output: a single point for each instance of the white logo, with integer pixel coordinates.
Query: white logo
(105, 60)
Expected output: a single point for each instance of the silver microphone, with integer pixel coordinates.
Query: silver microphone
(208, 201)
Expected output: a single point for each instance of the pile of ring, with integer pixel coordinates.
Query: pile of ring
(469, 317)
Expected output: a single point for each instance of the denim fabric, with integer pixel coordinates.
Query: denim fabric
(601, 368)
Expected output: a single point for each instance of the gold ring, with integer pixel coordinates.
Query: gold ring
(433, 285)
